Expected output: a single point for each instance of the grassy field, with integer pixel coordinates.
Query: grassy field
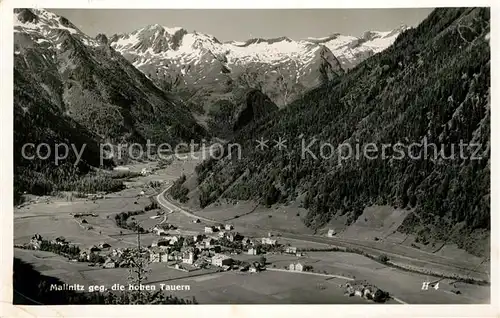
(377, 235)
(251, 218)
(270, 287)
(80, 273)
(405, 285)
(265, 288)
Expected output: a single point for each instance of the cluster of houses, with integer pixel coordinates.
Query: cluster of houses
(200, 252)
(162, 229)
(187, 252)
(204, 250)
(36, 241)
(365, 290)
(85, 254)
(218, 228)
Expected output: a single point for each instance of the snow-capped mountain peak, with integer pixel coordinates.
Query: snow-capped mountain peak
(178, 58)
(351, 50)
(45, 26)
(156, 41)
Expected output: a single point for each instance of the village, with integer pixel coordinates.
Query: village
(219, 248)
(216, 248)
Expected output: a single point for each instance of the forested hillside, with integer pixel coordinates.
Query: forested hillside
(433, 83)
(246, 106)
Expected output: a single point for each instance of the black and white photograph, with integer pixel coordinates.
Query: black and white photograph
(251, 156)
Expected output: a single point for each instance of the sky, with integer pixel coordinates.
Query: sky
(243, 24)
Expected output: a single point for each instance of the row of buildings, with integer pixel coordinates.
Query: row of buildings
(218, 227)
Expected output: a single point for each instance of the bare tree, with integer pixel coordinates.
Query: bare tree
(138, 270)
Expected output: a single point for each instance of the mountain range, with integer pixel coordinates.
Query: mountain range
(206, 71)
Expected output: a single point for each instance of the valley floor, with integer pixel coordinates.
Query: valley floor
(52, 217)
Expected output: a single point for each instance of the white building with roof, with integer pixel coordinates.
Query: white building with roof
(297, 267)
(222, 260)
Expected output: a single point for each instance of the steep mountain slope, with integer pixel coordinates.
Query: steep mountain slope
(256, 106)
(72, 89)
(432, 85)
(246, 106)
(94, 85)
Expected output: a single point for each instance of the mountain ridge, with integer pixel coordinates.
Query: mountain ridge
(71, 89)
(83, 66)
(205, 71)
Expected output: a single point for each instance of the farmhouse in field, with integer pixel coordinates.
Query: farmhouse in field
(36, 241)
(291, 250)
(228, 227)
(253, 251)
(268, 241)
(209, 229)
(331, 233)
(297, 267)
(366, 290)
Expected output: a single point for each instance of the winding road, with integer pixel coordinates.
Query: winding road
(162, 200)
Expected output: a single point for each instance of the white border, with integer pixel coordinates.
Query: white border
(6, 177)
